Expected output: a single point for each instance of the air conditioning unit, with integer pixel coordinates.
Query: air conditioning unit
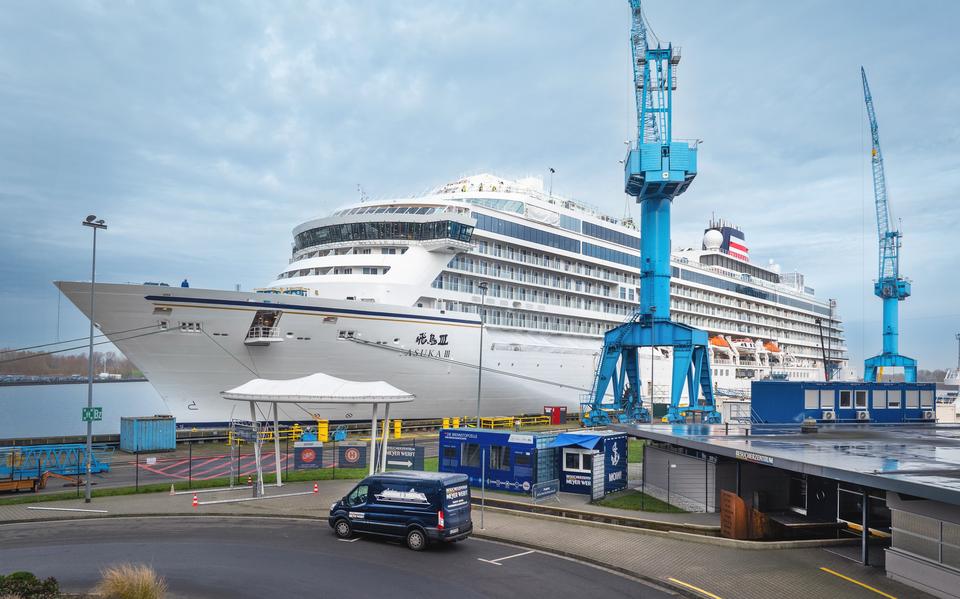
(829, 415)
(929, 415)
(863, 415)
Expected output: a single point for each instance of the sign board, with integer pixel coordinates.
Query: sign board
(546, 489)
(352, 456)
(597, 490)
(733, 516)
(93, 414)
(404, 457)
(151, 461)
(307, 455)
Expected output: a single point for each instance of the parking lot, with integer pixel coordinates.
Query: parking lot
(246, 557)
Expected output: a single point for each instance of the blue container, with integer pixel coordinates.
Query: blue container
(783, 402)
(511, 458)
(576, 461)
(144, 434)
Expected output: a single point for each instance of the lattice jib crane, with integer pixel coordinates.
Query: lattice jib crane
(656, 170)
(890, 286)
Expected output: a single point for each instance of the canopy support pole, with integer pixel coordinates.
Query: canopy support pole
(258, 483)
(386, 437)
(373, 440)
(276, 442)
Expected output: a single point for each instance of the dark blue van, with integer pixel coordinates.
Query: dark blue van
(418, 507)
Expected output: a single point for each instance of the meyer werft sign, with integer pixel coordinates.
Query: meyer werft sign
(754, 457)
(401, 457)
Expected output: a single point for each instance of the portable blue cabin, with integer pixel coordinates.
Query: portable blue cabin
(511, 458)
(838, 401)
(580, 451)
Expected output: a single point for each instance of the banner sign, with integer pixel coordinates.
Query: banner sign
(403, 457)
(307, 455)
(352, 456)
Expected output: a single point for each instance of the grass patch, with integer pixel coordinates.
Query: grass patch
(292, 476)
(634, 450)
(431, 464)
(635, 500)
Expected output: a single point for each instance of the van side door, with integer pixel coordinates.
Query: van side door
(357, 502)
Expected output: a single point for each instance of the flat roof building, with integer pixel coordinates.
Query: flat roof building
(899, 483)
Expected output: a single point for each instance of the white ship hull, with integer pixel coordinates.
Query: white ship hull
(522, 372)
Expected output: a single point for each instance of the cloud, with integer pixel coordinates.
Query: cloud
(203, 133)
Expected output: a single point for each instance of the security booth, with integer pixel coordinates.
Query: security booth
(507, 461)
(843, 401)
(592, 462)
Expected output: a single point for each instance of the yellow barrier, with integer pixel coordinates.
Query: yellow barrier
(446, 423)
(456, 423)
(397, 428)
(292, 433)
(532, 420)
(323, 430)
(496, 422)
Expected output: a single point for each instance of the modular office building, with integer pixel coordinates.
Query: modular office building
(577, 461)
(843, 401)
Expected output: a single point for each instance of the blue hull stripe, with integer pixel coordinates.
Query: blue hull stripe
(222, 302)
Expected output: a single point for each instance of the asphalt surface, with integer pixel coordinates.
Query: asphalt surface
(244, 557)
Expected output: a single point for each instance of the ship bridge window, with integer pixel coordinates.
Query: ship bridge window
(383, 230)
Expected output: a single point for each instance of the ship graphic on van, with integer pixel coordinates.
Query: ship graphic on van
(397, 496)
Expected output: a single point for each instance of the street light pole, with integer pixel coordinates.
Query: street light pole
(92, 222)
(483, 301)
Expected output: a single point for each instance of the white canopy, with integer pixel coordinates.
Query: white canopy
(317, 388)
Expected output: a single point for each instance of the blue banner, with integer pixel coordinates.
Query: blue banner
(352, 456)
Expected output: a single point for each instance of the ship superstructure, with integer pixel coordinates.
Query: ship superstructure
(390, 290)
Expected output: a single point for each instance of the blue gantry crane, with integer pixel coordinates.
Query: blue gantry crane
(890, 286)
(656, 170)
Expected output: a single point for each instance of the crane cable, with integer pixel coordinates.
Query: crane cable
(58, 351)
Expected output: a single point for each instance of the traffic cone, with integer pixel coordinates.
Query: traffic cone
(249, 481)
(172, 492)
(316, 488)
(196, 502)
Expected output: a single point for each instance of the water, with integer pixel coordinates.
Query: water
(54, 410)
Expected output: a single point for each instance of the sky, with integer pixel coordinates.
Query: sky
(204, 132)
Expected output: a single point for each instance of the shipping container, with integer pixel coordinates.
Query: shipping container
(145, 434)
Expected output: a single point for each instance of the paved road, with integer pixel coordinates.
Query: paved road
(236, 558)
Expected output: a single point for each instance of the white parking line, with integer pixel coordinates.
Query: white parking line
(496, 562)
(353, 540)
(67, 509)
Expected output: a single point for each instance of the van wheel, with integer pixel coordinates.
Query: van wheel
(416, 540)
(343, 529)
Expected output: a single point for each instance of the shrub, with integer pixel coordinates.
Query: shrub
(129, 581)
(25, 585)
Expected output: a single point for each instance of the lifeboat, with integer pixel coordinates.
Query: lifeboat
(719, 341)
(770, 346)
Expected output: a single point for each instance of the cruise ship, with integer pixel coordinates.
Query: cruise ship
(403, 290)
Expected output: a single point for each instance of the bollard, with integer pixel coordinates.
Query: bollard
(446, 423)
(397, 428)
(456, 423)
(316, 488)
(249, 481)
(196, 502)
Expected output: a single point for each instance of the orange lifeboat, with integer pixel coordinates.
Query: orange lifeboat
(719, 341)
(770, 346)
